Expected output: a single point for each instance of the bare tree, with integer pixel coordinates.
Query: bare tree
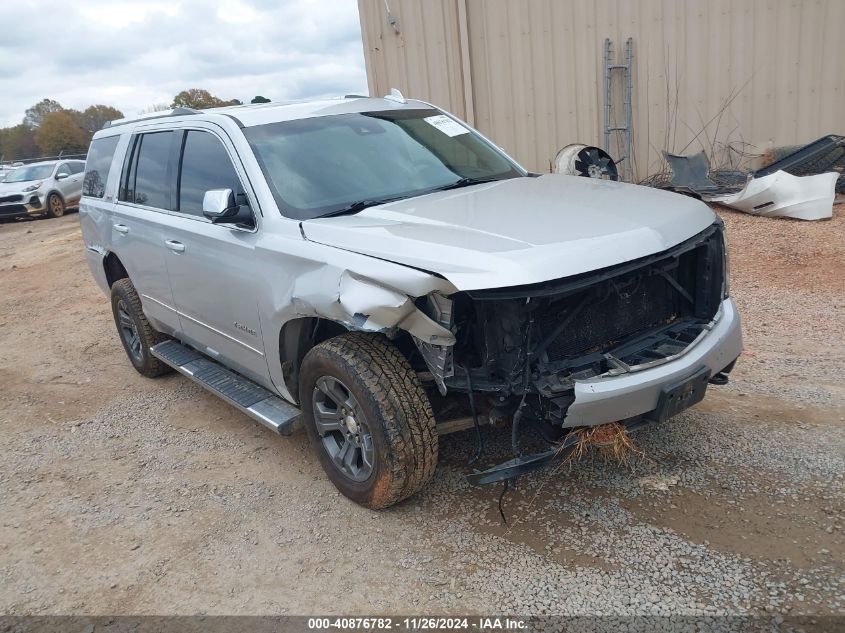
(156, 107)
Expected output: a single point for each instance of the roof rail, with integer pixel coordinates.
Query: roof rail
(152, 115)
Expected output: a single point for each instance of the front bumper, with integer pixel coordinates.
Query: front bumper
(21, 205)
(609, 399)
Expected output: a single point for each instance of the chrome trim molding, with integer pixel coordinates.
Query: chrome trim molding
(205, 325)
(161, 303)
(216, 331)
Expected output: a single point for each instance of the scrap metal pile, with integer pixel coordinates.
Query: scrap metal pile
(800, 185)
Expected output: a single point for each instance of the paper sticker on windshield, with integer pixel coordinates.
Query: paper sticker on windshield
(448, 126)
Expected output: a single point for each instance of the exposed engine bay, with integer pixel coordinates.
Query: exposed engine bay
(524, 348)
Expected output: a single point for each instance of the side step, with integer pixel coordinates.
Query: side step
(254, 400)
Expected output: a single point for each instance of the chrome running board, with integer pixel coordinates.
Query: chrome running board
(243, 394)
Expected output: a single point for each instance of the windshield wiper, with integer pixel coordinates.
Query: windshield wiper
(355, 207)
(464, 182)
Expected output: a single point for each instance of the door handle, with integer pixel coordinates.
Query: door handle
(176, 247)
(121, 228)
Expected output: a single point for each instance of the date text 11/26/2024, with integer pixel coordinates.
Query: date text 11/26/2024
(418, 623)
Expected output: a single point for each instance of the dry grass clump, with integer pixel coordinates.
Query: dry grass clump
(611, 442)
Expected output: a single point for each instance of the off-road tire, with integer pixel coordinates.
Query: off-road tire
(123, 292)
(55, 206)
(395, 406)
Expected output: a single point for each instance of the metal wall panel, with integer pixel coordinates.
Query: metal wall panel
(528, 73)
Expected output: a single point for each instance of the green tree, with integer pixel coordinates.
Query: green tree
(260, 99)
(61, 132)
(17, 143)
(199, 99)
(95, 117)
(34, 115)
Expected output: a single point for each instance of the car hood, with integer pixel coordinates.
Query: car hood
(518, 231)
(6, 187)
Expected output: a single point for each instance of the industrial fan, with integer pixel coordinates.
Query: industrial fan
(587, 161)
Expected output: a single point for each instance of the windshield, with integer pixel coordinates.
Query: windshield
(36, 172)
(343, 163)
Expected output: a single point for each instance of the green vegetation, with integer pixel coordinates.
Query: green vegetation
(48, 128)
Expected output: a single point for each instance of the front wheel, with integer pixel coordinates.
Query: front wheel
(55, 206)
(368, 418)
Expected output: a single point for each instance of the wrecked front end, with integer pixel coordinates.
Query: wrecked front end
(632, 343)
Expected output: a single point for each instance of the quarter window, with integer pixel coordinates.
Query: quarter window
(97, 166)
(205, 165)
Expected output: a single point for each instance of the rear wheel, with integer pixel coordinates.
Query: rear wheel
(368, 418)
(136, 333)
(55, 206)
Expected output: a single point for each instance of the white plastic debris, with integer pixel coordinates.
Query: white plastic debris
(783, 195)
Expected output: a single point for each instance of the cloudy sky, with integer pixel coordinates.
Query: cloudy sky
(135, 54)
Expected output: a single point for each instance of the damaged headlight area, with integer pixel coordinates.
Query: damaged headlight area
(522, 350)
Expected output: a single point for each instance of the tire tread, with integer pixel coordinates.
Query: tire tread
(404, 408)
(152, 366)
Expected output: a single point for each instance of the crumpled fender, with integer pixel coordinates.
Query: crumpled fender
(377, 308)
(364, 304)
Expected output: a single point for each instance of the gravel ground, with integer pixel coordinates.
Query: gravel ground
(123, 495)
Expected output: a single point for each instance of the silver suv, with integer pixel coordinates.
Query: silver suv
(380, 273)
(46, 188)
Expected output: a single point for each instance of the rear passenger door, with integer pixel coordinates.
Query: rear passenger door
(212, 266)
(68, 183)
(75, 181)
(139, 220)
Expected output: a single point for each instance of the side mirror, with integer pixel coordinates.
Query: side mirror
(61, 176)
(219, 206)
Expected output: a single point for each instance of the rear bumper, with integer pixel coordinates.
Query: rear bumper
(602, 400)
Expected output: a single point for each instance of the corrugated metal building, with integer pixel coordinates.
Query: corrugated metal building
(749, 74)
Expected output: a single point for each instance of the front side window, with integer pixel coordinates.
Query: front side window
(205, 165)
(63, 170)
(148, 180)
(76, 167)
(333, 164)
(98, 165)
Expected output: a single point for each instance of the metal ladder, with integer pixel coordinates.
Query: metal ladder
(609, 66)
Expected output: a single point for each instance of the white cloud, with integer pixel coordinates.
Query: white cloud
(134, 54)
(236, 12)
(121, 14)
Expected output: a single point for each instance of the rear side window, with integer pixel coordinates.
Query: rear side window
(150, 170)
(97, 166)
(205, 165)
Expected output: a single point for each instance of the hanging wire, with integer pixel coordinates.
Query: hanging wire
(479, 441)
(526, 374)
(501, 497)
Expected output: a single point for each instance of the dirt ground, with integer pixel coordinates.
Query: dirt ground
(124, 495)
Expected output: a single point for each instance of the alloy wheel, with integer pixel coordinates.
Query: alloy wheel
(343, 429)
(129, 331)
(56, 205)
